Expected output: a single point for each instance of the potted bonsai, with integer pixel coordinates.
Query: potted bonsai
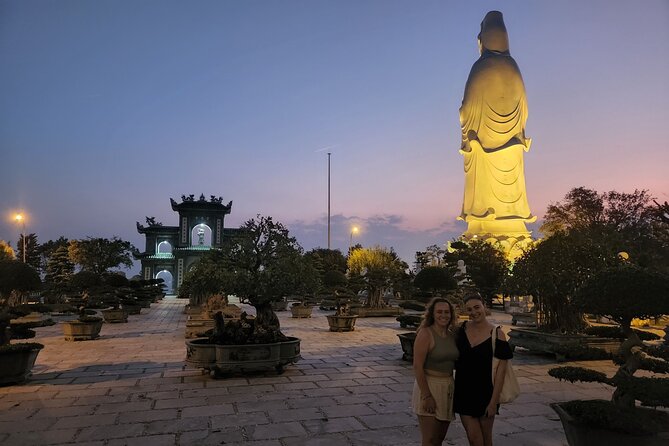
(342, 319)
(86, 327)
(622, 293)
(302, 308)
(16, 359)
(259, 266)
(375, 270)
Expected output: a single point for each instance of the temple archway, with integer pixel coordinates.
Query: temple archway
(169, 280)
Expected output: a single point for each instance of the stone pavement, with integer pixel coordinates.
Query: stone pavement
(131, 387)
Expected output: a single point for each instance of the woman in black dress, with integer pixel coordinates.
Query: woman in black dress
(476, 397)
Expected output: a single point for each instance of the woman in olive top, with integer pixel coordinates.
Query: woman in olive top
(434, 356)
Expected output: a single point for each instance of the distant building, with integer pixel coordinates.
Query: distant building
(171, 251)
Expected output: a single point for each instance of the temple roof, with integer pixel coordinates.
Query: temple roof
(201, 204)
(157, 229)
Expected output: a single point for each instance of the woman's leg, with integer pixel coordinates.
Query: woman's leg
(432, 431)
(474, 430)
(486, 429)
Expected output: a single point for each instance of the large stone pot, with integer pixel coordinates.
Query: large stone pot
(81, 331)
(16, 364)
(583, 435)
(377, 312)
(406, 341)
(342, 323)
(115, 315)
(542, 342)
(301, 311)
(228, 359)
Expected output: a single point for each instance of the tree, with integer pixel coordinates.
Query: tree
(553, 270)
(432, 256)
(378, 269)
(17, 279)
(260, 266)
(98, 255)
(6, 251)
(624, 292)
(487, 265)
(435, 279)
(32, 257)
(48, 248)
(628, 220)
(59, 268)
(327, 260)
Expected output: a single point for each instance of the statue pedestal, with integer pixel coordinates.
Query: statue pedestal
(511, 235)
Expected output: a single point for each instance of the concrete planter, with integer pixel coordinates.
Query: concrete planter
(406, 341)
(132, 309)
(342, 323)
(301, 311)
(539, 341)
(377, 312)
(117, 315)
(81, 331)
(16, 365)
(229, 359)
(579, 434)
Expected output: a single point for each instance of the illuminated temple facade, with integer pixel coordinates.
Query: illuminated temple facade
(171, 251)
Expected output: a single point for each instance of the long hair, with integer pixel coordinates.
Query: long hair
(429, 313)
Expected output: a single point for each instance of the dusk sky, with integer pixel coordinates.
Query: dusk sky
(110, 107)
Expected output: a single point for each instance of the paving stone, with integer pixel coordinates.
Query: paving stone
(148, 415)
(176, 426)
(144, 440)
(343, 424)
(108, 432)
(49, 437)
(277, 430)
(307, 413)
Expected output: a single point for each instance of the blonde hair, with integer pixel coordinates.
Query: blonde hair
(428, 318)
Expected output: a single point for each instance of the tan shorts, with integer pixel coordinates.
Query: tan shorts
(441, 388)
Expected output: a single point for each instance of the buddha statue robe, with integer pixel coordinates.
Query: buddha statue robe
(492, 117)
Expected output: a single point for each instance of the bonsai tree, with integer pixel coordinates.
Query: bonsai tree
(260, 266)
(16, 279)
(622, 293)
(376, 269)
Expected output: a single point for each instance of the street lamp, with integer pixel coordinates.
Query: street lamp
(354, 230)
(20, 219)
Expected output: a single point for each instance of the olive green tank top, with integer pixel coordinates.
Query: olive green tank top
(442, 357)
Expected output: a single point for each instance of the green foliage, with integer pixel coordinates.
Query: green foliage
(98, 255)
(6, 251)
(605, 331)
(435, 279)
(334, 279)
(623, 293)
(603, 415)
(378, 269)
(59, 268)
(573, 374)
(85, 280)
(552, 271)
(577, 352)
(16, 280)
(32, 257)
(487, 265)
(325, 260)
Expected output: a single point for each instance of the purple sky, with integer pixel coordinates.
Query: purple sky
(110, 107)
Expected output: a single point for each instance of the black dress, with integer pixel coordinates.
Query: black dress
(473, 373)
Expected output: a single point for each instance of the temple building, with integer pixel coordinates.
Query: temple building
(171, 251)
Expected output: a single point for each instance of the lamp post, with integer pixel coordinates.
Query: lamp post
(22, 221)
(329, 153)
(354, 230)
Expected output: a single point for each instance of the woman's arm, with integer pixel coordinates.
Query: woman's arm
(421, 347)
(491, 410)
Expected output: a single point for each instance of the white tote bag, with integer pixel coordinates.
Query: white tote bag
(511, 388)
